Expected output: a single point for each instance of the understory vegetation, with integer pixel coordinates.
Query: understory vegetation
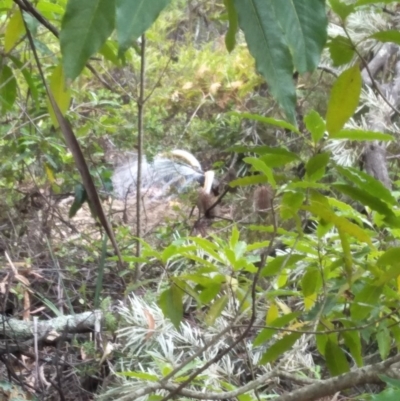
(199, 200)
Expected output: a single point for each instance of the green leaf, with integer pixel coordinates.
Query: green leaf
(140, 375)
(340, 222)
(230, 36)
(260, 166)
(311, 281)
(367, 183)
(360, 135)
(341, 9)
(85, 27)
(267, 120)
(28, 78)
(353, 343)
(247, 181)
(390, 258)
(280, 262)
(387, 36)
(280, 322)
(365, 198)
(277, 349)
(267, 44)
(79, 200)
(315, 125)
(109, 52)
(14, 30)
(315, 167)
(277, 157)
(344, 98)
(171, 304)
(366, 300)
(305, 30)
(390, 381)
(335, 359)
(389, 394)
(341, 50)
(210, 292)
(291, 203)
(61, 93)
(384, 341)
(134, 18)
(216, 309)
(8, 88)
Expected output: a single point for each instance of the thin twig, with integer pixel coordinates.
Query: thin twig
(140, 105)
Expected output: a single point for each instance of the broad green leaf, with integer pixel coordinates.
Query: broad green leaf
(247, 181)
(272, 314)
(365, 198)
(343, 100)
(280, 322)
(321, 340)
(210, 292)
(390, 380)
(384, 341)
(360, 135)
(311, 281)
(365, 301)
(307, 185)
(268, 45)
(342, 9)
(14, 30)
(49, 172)
(335, 359)
(61, 93)
(280, 262)
(133, 18)
(387, 36)
(341, 50)
(315, 167)
(305, 30)
(315, 125)
(281, 346)
(48, 9)
(171, 304)
(8, 88)
(267, 120)
(260, 166)
(367, 183)
(79, 200)
(234, 237)
(340, 222)
(278, 157)
(390, 258)
(291, 203)
(85, 27)
(109, 52)
(353, 343)
(388, 394)
(230, 36)
(216, 309)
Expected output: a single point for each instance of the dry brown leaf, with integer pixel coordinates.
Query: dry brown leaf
(214, 88)
(151, 322)
(187, 85)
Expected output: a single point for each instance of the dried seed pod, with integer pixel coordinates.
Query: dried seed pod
(262, 199)
(204, 202)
